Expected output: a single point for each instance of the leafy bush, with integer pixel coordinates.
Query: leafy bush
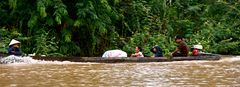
(90, 27)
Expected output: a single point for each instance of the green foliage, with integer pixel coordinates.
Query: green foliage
(43, 44)
(90, 27)
(12, 4)
(4, 40)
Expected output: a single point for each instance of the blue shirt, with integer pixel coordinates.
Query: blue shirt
(14, 51)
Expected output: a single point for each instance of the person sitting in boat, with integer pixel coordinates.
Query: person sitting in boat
(157, 51)
(138, 52)
(182, 48)
(14, 48)
(114, 53)
(196, 50)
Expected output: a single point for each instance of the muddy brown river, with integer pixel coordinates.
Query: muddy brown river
(221, 73)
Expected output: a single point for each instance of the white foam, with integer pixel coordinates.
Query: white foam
(230, 59)
(28, 60)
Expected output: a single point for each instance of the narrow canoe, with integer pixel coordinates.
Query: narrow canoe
(128, 59)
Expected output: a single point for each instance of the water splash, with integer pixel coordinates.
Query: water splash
(15, 59)
(230, 59)
(28, 60)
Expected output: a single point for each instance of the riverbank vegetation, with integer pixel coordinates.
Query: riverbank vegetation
(90, 27)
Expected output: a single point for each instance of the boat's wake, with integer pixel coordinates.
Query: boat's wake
(230, 59)
(28, 60)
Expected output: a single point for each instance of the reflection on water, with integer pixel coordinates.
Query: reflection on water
(220, 73)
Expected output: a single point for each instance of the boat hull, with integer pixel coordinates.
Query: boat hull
(127, 59)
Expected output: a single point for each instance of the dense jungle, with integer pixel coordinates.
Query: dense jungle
(91, 27)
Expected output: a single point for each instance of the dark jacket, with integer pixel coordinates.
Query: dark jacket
(159, 52)
(14, 51)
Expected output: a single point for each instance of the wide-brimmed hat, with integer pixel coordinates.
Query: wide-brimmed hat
(13, 41)
(198, 47)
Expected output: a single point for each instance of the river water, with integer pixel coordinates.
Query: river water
(222, 73)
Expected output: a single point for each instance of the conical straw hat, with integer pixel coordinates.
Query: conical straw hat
(13, 42)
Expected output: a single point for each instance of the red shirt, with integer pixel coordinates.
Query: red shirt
(183, 48)
(195, 52)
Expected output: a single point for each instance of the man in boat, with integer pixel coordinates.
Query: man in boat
(157, 51)
(114, 53)
(138, 52)
(14, 48)
(182, 48)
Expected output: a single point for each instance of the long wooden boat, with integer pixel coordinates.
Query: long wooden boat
(128, 59)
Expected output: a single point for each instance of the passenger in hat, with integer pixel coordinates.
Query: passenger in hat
(196, 50)
(182, 48)
(14, 48)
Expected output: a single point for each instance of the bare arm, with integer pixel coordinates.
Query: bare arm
(176, 50)
(135, 55)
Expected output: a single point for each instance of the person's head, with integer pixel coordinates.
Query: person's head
(138, 49)
(16, 45)
(178, 39)
(154, 49)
